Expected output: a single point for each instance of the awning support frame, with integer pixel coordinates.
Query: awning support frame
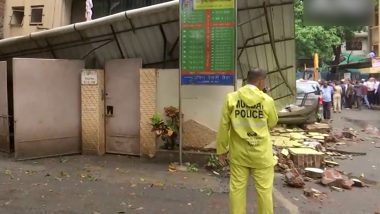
(271, 37)
(117, 41)
(165, 44)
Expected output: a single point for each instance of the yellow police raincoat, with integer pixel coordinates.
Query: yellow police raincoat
(243, 132)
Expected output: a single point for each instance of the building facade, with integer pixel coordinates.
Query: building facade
(109, 7)
(22, 17)
(374, 32)
(2, 4)
(358, 45)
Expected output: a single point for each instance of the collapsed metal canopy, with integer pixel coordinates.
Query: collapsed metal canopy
(265, 39)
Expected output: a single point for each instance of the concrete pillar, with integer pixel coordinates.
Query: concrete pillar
(148, 105)
(93, 124)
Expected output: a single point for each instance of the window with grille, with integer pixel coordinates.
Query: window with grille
(17, 17)
(354, 45)
(36, 15)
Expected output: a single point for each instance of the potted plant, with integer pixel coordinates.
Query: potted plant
(167, 131)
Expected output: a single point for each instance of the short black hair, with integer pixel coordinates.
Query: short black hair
(256, 74)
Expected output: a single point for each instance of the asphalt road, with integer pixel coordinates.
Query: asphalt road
(121, 184)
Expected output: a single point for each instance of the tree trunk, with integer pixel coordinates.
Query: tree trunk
(337, 50)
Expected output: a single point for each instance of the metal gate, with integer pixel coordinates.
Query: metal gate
(46, 107)
(4, 118)
(122, 82)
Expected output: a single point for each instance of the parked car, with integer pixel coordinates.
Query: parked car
(308, 106)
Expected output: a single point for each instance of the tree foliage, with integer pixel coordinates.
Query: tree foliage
(324, 40)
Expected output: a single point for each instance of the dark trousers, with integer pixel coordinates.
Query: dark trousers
(343, 102)
(327, 110)
(371, 97)
(377, 98)
(349, 101)
(358, 101)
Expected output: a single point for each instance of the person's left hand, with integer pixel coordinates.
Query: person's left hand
(223, 159)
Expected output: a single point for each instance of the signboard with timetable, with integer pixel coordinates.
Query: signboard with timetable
(208, 42)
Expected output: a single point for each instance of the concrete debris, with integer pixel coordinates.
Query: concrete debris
(347, 184)
(308, 179)
(318, 127)
(314, 172)
(331, 139)
(311, 192)
(332, 177)
(285, 152)
(309, 149)
(358, 183)
(336, 189)
(306, 157)
(346, 152)
(284, 163)
(313, 144)
(297, 136)
(331, 163)
(284, 142)
(348, 134)
(294, 179)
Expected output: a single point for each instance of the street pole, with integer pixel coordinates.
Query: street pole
(316, 66)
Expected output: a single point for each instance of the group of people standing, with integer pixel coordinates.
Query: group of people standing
(349, 94)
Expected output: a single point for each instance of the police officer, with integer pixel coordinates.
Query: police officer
(244, 139)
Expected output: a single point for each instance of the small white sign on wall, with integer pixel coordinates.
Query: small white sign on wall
(89, 77)
(347, 76)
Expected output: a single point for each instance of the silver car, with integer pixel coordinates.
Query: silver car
(308, 106)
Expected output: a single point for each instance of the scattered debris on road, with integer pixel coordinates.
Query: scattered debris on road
(309, 154)
(331, 177)
(358, 183)
(293, 178)
(314, 193)
(315, 173)
(336, 188)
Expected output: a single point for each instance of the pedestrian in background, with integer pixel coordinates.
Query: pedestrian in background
(371, 84)
(372, 54)
(377, 92)
(343, 86)
(337, 97)
(331, 84)
(365, 94)
(358, 94)
(326, 97)
(349, 94)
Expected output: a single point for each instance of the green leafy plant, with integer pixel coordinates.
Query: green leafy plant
(192, 168)
(156, 119)
(213, 162)
(168, 131)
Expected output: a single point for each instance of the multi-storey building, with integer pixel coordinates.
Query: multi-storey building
(374, 32)
(22, 17)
